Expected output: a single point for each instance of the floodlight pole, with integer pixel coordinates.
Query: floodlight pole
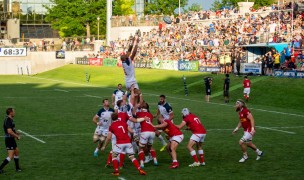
(109, 16)
(98, 19)
(179, 10)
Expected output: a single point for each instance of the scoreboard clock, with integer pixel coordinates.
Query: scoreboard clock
(7, 52)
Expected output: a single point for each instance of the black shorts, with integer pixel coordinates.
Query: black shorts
(208, 91)
(226, 93)
(10, 143)
(228, 64)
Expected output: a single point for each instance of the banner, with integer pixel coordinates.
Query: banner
(95, 61)
(81, 60)
(169, 65)
(209, 69)
(109, 62)
(251, 68)
(156, 63)
(300, 74)
(278, 73)
(290, 74)
(143, 63)
(187, 65)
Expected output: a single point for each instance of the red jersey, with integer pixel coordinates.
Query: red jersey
(123, 116)
(146, 126)
(194, 123)
(246, 83)
(243, 115)
(120, 130)
(171, 129)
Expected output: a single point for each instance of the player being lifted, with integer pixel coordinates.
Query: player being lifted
(103, 120)
(198, 136)
(128, 66)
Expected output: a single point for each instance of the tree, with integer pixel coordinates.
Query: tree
(195, 7)
(257, 3)
(123, 7)
(75, 17)
(165, 7)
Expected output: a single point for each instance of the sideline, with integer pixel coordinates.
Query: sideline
(31, 136)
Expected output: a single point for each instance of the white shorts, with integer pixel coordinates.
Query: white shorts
(198, 137)
(247, 91)
(101, 131)
(126, 148)
(129, 84)
(178, 138)
(247, 137)
(146, 138)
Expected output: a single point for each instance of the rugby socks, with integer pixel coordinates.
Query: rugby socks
(193, 154)
(5, 162)
(141, 156)
(121, 159)
(96, 150)
(153, 154)
(115, 164)
(109, 158)
(201, 154)
(160, 137)
(258, 152)
(136, 164)
(16, 159)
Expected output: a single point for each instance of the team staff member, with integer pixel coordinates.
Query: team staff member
(208, 83)
(247, 122)
(10, 143)
(226, 88)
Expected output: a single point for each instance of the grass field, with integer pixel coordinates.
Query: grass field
(57, 107)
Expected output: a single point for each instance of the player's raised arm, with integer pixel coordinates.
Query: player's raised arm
(135, 47)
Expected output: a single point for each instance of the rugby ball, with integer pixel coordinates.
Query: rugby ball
(167, 20)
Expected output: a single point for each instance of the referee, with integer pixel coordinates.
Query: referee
(10, 143)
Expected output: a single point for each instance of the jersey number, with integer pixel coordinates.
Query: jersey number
(197, 120)
(122, 128)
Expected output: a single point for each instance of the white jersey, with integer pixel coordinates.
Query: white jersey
(129, 71)
(118, 95)
(165, 110)
(104, 118)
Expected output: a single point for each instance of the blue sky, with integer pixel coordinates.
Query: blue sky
(205, 3)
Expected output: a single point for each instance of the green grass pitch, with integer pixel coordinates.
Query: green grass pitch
(57, 107)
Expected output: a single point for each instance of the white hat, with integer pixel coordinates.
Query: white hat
(185, 111)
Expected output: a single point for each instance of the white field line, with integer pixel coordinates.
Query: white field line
(31, 136)
(150, 94)
(61, 90)
(294, 127)
(272, 129)
(87, 95)
(85, 134)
